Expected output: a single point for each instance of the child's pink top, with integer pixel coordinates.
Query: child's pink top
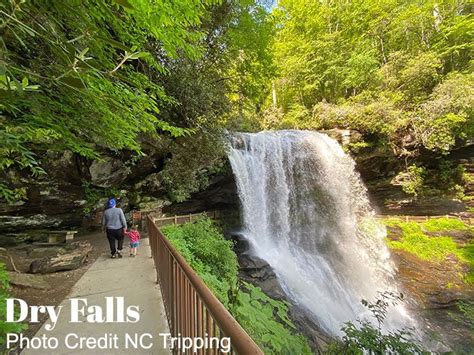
(134, 236)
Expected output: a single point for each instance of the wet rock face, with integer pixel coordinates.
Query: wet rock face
(378, 167)
(258, 272)
(152, 204)
(221, 194)
(57, 199)
(436, 289)
(53, 200)
(48, 205)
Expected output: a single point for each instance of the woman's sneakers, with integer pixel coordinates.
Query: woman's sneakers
(117, 255)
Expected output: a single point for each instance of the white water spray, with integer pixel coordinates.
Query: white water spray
(306, 212)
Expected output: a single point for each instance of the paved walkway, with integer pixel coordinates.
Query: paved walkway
(130, 278)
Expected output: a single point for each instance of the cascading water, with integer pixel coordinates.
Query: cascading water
(305, 211)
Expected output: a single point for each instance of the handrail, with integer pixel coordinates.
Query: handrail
(414, 218)
(187, 218)
(191, 307)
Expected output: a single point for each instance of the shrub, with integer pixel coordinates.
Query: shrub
(267, 321)
(208, 253)
(5, 327)
(447, 116)
(411, 180)
(211, 256)
(367, 338)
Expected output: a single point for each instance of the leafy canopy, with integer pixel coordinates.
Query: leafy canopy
(82, 75)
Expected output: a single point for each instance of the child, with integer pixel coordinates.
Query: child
(134, 237)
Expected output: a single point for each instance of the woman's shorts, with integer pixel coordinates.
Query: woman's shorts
(134, 245)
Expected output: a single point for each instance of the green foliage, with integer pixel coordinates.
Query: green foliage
(464, 314)
(444, 224)
(386, 68)
(367, 338)
(211, 256)
(90, 76)
(94, 194)
(251, 66)
(5, 327)
(419, 75)
(267, 321)
(208, 253)
(12, 195)
(415, 240)
(427, 248)
(192, 163)
(85, 74)
(412, 179)
(448, 114)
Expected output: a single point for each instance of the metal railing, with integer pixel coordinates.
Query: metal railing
(216, 215)
(186, 218)
(220, 216)
(413, 218)
(192, 309)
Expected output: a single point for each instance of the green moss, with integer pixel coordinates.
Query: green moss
(443, 224)
(415, 240)
(464, 314)
(426, 248)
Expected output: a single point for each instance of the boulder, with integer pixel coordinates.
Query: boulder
(152, 204)
(7, 260)
(13, 239)
(28, 281)
(75, 256)
(151, 184)
(221, 194)
(46, 252)
(16, 223)
(344, 136)
(241, 244)
(258, 272)
(317, 338)
(108, 172)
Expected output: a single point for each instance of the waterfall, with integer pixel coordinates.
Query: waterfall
(306, 212)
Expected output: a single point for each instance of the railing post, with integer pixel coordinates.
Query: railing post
(192, 309)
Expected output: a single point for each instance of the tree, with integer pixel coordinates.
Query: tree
(385, 68)
(81, 75)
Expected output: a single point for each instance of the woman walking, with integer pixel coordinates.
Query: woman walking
(114, 223)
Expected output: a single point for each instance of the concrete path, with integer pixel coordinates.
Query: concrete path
(130, 278)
